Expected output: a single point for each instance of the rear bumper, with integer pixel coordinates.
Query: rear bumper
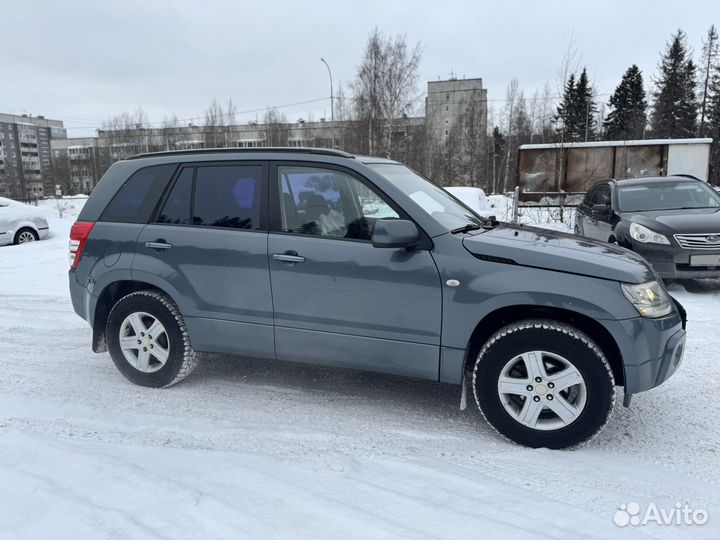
(673, 262)
(652, 349)
(43, 233)
(77, 296)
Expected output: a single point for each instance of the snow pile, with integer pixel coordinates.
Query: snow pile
(249, 448)
(537, 215)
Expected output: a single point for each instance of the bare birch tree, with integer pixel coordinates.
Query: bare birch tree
(276, 128)
(384, 86)
(126, 134)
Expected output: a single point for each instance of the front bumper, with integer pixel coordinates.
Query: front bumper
(673, 261)
(652, 349)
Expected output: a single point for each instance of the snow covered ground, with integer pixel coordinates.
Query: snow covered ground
(246, 448)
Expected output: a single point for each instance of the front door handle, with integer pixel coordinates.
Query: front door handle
(288, 257)
(159, 245)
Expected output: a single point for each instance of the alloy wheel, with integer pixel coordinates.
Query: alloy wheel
(144, 342)
(542, 390)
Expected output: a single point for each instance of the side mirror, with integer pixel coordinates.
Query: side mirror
(395, 233)
(601, 210)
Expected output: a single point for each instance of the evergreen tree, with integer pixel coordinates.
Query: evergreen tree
(675, 109)
(565, 108)
(713, 122)
(577, 110)
(628, 116)
(586, 108)
(707, 63)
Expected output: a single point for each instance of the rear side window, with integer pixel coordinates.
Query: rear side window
(177, 206)
(137, 197)
(228, 196)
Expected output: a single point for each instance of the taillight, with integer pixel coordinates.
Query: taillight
(78, 235)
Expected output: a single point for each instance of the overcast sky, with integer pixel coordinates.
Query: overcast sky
(84, 61)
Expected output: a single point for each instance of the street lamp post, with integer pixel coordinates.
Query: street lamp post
(332, 100)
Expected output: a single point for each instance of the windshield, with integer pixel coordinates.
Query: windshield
(434, 200)
(667, 196)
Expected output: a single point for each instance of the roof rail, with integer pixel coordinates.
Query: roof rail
(259, 149)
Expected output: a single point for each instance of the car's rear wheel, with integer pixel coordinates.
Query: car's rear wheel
(542, 383)
(148, 340)
(25, 235)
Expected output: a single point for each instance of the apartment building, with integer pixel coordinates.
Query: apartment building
(25, 159)
(78, 163)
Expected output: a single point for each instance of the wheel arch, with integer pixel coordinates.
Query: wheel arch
(25, 225)
(105, 302)
(501, 317)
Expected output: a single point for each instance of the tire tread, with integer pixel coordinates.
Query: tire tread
(556, 326)
(190, 358)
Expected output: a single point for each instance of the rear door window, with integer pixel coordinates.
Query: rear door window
(177, 206)
(228, 196)
(138, 196)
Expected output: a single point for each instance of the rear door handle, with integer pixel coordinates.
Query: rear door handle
(158, 245)
(289, 257)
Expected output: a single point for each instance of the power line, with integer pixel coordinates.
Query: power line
(220, 116)
(95, 124)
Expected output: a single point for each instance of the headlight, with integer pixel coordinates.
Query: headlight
(650, 299)
(646, 236)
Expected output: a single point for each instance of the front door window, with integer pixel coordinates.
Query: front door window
(325, 202)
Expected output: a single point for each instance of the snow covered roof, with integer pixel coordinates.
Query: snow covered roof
(603, 144)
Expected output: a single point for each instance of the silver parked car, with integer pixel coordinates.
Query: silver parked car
(20, 223)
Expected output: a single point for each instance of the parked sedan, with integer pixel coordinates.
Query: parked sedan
(674, 222)
(20, 223)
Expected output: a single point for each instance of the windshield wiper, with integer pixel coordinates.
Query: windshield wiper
(467, 228)
(691, 208)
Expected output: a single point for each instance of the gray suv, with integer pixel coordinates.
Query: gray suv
(323, 257)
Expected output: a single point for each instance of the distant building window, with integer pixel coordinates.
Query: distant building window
(447, 96)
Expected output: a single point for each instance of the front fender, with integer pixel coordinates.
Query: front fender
(486, 286)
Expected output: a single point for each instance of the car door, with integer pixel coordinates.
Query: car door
(337, 299)
(603, 220)
(5, 224)
(207, 247)
(586, 217)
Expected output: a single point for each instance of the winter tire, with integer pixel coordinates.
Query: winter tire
(24, 235)
(543, 383)
(148, 340)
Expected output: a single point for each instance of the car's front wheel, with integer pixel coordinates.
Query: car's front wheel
(148, 340)
(543, 383)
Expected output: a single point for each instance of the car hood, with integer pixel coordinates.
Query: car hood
(698, 221)
(551, 250)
